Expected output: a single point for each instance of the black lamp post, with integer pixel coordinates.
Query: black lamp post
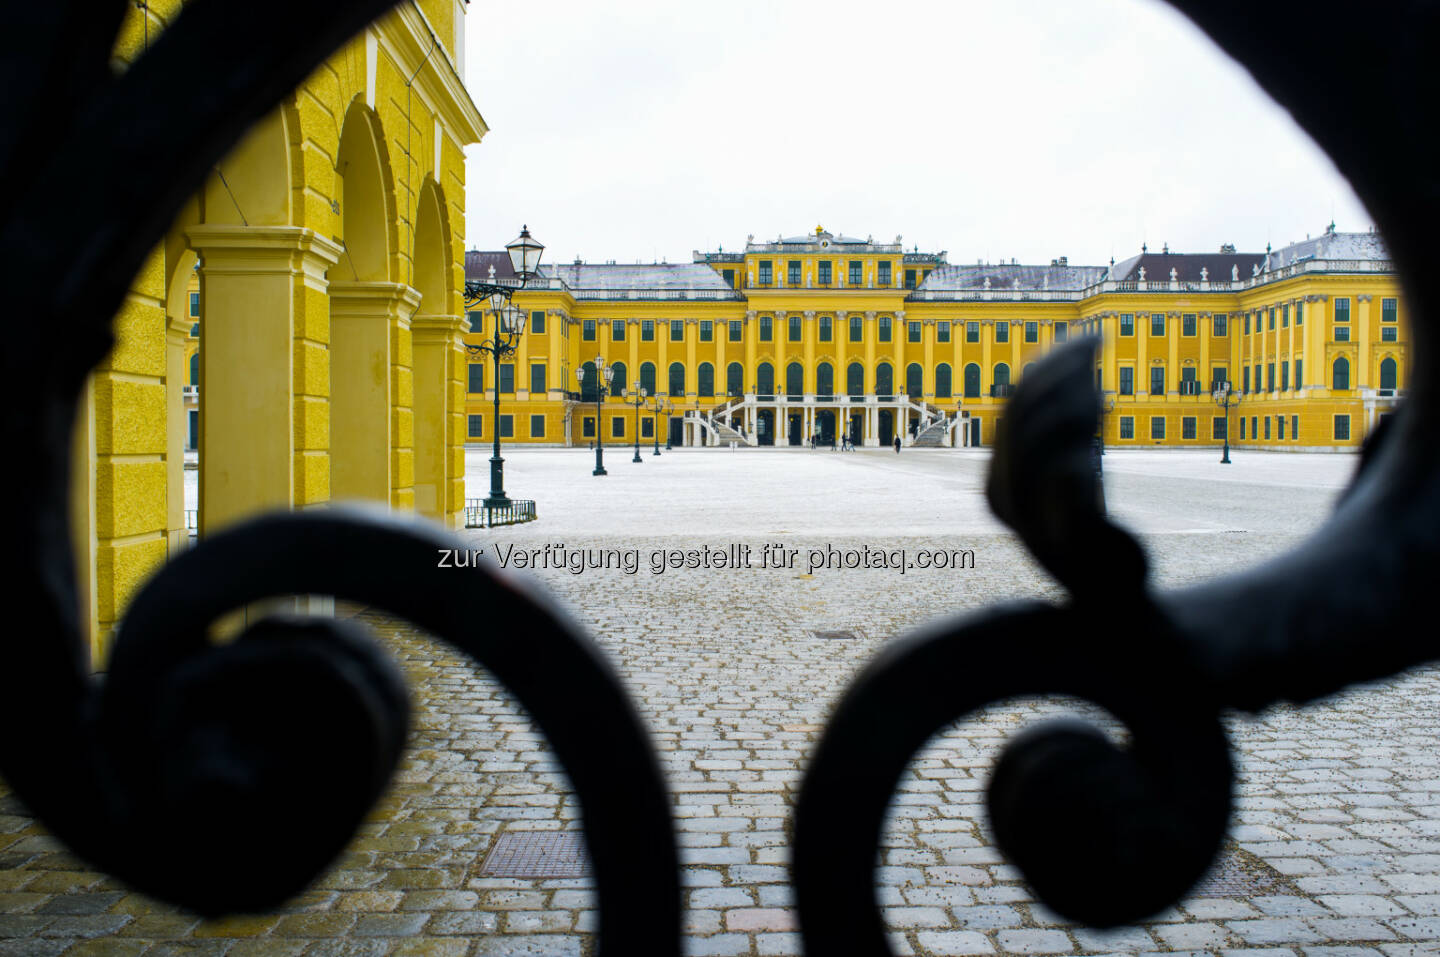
(509, 326)
(669, 408)
(639, 396)
(655, 418)
(1223, 398)
(603, 375)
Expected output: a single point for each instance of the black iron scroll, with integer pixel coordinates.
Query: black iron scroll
(1106, 834)
(225, 778)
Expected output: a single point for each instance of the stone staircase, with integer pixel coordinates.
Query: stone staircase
(724, 435)
(933, 435)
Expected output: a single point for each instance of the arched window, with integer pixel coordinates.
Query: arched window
(855, 379)
(195, 369)
(1341, 379)
(735, 379)
(765, 379)
(972, 381)
(677, 378)
(1387, 374)
(195, 330)
(914, 381)
(794, 379)
(706, 377)
(588, 390)
(825, 379)
(884, 379)
(942, 381)
(1002, 374)
(619, 381)
(647, 377)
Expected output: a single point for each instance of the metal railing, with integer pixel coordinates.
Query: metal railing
(479, 515)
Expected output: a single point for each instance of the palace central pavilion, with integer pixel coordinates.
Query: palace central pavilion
(804, 337)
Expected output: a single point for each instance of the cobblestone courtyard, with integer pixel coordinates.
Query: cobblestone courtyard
(1335, 847)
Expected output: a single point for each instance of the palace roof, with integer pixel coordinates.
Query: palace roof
(1005, 276)
(1189, 267)
(666, 276)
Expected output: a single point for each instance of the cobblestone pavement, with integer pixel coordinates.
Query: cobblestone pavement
(1335, 848)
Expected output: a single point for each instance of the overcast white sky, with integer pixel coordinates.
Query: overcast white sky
(641, 129)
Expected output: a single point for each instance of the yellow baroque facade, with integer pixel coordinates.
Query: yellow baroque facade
(298, 333)
(806, 337)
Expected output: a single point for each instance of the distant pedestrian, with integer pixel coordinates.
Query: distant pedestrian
(897, 443)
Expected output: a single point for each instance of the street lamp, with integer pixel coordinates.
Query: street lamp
(603, 375)
(639, 396)
(509, 326)
(655, 418)
(669, 410)
(1223, 397)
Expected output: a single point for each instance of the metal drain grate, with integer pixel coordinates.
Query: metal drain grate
(537, 854)
(1241, 874)
(836, 635)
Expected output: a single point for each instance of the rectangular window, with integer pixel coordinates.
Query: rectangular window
(1245, 380)
(537, 322)
(1269, 377)
(857, 328)
(477, 321)
(792, 272)
(729, 275)
(884, 273)
(765, 272)
(1389, 310)
(1002, 330)
(1285, 321)
(195, 305)
(1127, 324)
(972, 332)
(1218, 374)
(824, 278)
(1187, 427)
(587, 427)
(913, 331)
(825, 329)
(856, 272)
(1062, 331)
(1157, 427)
(707, 330)
(1389, 333)
(1247, 323)
(1127, 380)
(1271, 326)
(1242, 428)
(617, 330)
(909, 279)
(507, 378)
(1342, 428)
(1342, 310)
(1219, 323)
(1294, 427)
(677, 330)
(1127, 426)
(1299, 313)
(1266, 421)
(477, 377)
(587, 331)
(767, 328)
(1032, 331)
(537, 426)
(1280, 427)
(647, 330)
(795, 330)
(537, 379)
(1157, 380)
(1299, 372)
(1218, 427)
(1284, 377)
(737, 330)
(475, 426)
(1157, 323)
(617, 426)
(942, 330)
(1187, 324)
(647, 428)
(884, 328)
(507, 426)
(1342, 333)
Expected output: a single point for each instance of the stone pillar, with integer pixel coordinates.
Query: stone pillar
(264, 421)
(1109, 352)
(1316, 321)
(1360, 377)
(439, 415)
(554, 373)
(1172, 363)
(897, 342)
(842, 357)
(364, 422)
(1142, 360)
(782, 342)
(662, 363)
(927, 366)
(177, 336)
(752, 333)
(808, 335)
(872, 335)
(692, 366)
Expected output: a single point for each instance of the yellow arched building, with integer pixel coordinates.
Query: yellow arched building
(812, 335)
(301, 324)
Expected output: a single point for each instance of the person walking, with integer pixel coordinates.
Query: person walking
(897, 443)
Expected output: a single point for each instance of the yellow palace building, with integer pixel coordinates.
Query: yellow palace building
(804, 337)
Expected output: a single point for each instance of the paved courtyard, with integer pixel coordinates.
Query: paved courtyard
(1336, 844)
